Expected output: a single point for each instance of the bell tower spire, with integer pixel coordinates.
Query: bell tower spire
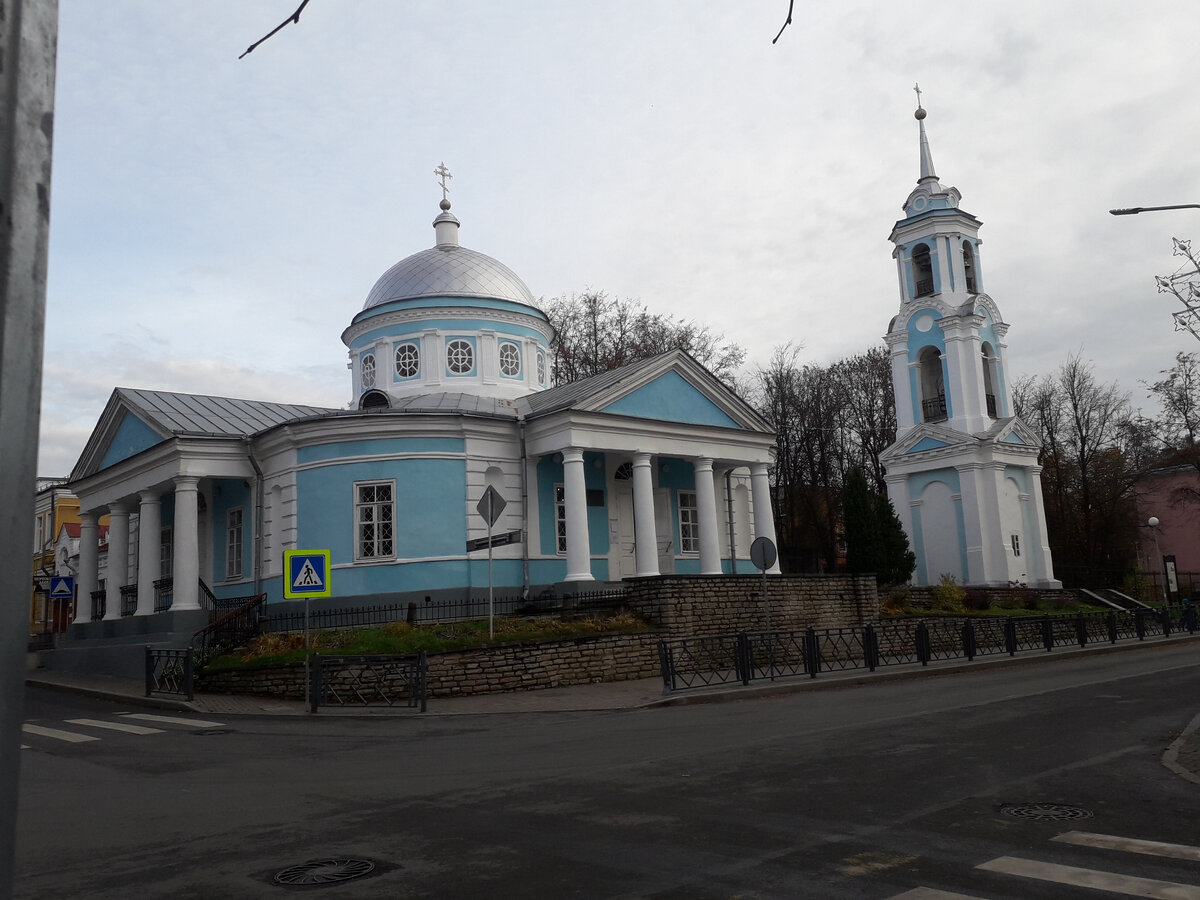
(963, 473)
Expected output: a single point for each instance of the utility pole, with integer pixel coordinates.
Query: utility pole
(28, 43)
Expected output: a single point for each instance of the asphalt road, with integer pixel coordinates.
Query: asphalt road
(874, 791)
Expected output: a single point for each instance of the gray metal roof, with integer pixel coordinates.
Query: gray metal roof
(221, 416)
(567, 395)
(469, 404)
(449, 271)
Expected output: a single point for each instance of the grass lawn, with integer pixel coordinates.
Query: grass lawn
(399, 637)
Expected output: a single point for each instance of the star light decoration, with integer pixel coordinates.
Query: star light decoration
(1184, 284)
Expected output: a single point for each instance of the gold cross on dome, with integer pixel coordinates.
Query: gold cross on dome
(443, 173)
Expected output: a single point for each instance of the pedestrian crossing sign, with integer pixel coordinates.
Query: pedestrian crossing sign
(62, 587)
(305, 574)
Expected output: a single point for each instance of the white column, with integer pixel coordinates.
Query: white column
(186, 584)
(764, 517)
(118, 558)
(972, 494)
(89, 545)
(149, 519)
(579, 555)
(706, 510)
(1045, 564)
(645, 538)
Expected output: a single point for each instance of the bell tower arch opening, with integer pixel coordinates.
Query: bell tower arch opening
(933, 385)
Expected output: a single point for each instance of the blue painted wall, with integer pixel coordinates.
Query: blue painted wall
(379, 447)
(431, 506)
(549, 473)
(437, 303)
(132, 437)
(671, 398)
(449, 326)
(228, 494)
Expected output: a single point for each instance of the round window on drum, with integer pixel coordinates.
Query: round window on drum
(510, 359)
(408, 360)
(460, 357)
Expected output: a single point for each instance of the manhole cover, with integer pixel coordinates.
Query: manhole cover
(325, 871)
(1054, 811)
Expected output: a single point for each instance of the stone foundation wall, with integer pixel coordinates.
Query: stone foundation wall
(686, 605)
(484, 670)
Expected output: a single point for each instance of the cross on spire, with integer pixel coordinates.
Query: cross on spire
(917, 88)
(443, 173)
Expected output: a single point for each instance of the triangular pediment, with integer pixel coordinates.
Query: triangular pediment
(119, 434)
(925, 438)
(671, 387)
(1013, 431)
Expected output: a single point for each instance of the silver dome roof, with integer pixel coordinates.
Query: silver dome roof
(449, 270)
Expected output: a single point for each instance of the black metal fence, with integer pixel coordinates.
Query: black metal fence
(749, 656)
(368, 680)
(432, 611)
(234, 628)
(169, 672)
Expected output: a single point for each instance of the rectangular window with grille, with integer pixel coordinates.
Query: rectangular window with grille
(233, 543)
(560, 519)
(689, 523)
(165, 555)
(1016, 544)
(374, 517)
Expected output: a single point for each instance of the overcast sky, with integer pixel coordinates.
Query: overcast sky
(216, 222)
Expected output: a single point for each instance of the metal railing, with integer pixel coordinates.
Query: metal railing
(164, 594)
(99, 605)
(230, 630)
(934, 409)
(748, 656)
(128, 599)
(169, 672)
(924, 287)
(369, 680)
(442, 611)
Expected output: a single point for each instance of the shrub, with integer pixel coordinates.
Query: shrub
(948, 595)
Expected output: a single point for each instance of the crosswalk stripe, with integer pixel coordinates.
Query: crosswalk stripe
(116, 726)
(172, 720)
(1129, 845)
(1130, 885)
(924, 893)
(59, 735)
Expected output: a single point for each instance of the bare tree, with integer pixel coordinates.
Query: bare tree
(596, 332)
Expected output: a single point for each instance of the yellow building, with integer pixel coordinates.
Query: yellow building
(54, 507)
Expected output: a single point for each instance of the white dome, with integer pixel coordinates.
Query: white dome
(449, 270)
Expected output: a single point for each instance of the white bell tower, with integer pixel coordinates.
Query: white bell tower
(963, 473)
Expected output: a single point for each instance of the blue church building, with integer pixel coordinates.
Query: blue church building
(653, 468)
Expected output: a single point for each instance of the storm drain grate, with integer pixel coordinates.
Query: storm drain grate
(325, 871)
(1044, 811)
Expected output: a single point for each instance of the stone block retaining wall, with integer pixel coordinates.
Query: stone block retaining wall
(526, 666)
(686, 605)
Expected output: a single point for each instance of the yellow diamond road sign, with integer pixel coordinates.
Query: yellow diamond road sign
(306, 574)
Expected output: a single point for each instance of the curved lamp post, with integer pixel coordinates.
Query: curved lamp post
(1152, 522)
(1134, 210)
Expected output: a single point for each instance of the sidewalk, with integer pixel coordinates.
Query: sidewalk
(614, 695)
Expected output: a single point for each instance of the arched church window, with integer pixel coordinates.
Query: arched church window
(933, 386)
(624, 472)
(541, 368)
(510, 359)
(460, 357)
(408, 360)
(989, 377)
(969, 267)
(374, 400)
(922, 265)
(368, 370)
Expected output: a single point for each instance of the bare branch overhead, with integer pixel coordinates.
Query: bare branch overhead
(294, 19)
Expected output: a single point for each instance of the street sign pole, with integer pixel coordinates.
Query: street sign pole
(491, 598)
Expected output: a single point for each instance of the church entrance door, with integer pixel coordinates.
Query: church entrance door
(622, 532)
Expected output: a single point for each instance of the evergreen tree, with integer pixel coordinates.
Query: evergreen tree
(897, 562)
(875, 539)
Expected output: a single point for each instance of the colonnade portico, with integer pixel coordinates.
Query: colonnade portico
(185, 552)
(646, 538)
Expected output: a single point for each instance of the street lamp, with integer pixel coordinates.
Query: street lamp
(1153, 523)
(1134, 210)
